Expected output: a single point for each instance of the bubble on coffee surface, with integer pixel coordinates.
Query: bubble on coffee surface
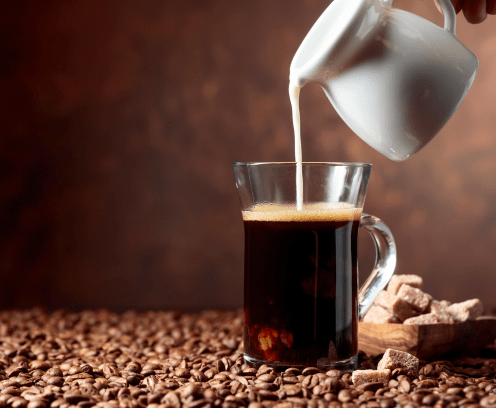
(308, 212)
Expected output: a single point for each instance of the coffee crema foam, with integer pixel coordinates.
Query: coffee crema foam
(309, 212)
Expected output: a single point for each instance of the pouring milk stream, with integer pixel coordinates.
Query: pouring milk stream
(395, 78)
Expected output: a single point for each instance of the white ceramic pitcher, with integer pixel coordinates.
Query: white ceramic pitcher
(395, 78)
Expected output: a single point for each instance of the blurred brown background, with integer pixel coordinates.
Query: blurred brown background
(119, 123)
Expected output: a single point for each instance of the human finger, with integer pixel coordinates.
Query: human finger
(491, 6)
(457, 4)
(475, 11)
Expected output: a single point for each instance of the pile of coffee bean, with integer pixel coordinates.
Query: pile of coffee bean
(179, 360)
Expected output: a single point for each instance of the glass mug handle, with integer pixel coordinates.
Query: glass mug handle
(385, 262)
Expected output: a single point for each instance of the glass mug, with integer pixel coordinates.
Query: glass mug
(301, 299)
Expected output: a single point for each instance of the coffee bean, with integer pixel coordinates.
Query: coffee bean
(209, 394)
(39, 365)
(191, 390)
(404, 386)
(267, 377)
(219, 364)
(54, 372)
(11, 390)
(318, 390)
(291, 379)
(210, 373)
(123, 392)
(173, 399)
(293, 371)
(454, 390)
(36, 403)
(151, 366)
(345, 396)
(429, 370)
(387, 403)
(474, 395)
(429, 399)
(236, 387)
(470, 388)
(488, 401)
(265, 369)
(247, 372)
(74, 397)
(17, 402)
(449, 398)
(236, 369)
(133, 367)
(374, 386)
(365, 395)
(490, 388)
(427, 384)
(242, 395)
(60, 403)
(222, 377)
(264, 394)
(292, 390)
(74, 370)
(443, 376)
(310, 381)
(455, 382)
(397, 372)
(108, 371)
(182, 373)
(310, 371)
(198, 376)
(334, 373)
(265, 386)
(346, 378)
(242, 380)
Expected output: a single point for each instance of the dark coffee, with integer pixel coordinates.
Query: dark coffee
(300, 274)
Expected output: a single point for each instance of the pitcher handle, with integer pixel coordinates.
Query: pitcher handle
(448, 11)
(385, 262)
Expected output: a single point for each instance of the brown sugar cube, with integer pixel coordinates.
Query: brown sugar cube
(395, 305)
(398, 359)
(398, 280)
(444, 317)
(379, 315)
(468, 310)
(360, 377)
(417, 299)
(436, 307)
(430, 318)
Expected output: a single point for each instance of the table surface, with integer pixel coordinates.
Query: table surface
(173, 360)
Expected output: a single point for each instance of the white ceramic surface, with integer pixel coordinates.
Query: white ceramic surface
(395, 78)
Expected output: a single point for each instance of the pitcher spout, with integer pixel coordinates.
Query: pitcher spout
(334, 38)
